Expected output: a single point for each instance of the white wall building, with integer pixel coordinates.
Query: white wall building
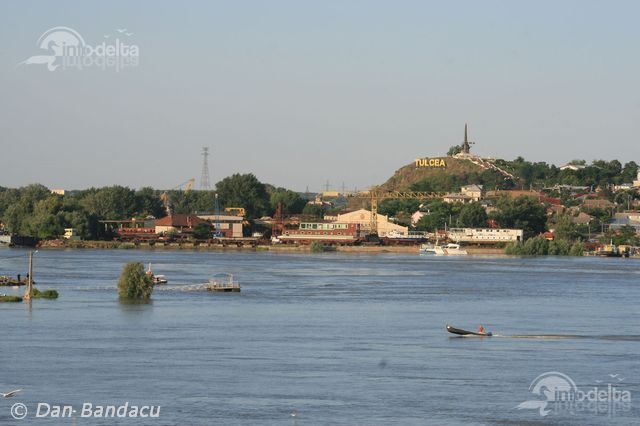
(485, 235)
(363, 218)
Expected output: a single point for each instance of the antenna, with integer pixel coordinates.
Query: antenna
(326, 186)
(204, 179)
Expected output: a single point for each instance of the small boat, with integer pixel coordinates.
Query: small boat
(450, 250)
(462, 332)
(223, 286)
(157, 279)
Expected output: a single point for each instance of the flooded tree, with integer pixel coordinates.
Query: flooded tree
(134, 283)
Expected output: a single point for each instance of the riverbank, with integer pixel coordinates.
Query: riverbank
(66, 244)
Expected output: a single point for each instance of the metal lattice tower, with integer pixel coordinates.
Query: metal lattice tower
(205, 184)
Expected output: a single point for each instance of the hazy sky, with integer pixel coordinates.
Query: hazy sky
(299, 92)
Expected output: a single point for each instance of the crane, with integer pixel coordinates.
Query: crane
(165, 195)
(376, 194)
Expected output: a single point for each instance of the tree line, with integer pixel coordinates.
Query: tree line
(33, 210)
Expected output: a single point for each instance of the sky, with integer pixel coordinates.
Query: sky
(300, 92)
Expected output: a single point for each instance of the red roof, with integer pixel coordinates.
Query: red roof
(180, 221)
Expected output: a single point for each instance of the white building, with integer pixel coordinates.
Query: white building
(363, 218)
(485, 235)
(472, 191)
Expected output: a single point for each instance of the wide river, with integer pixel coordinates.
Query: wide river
(327, 338)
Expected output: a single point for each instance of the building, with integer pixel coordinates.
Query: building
(636, 183)
(229, 225)
(626, 219)
(362, 217)
(485, 235)
(177, 223)
(58, 191)
(474, 191)
(514, 193)
(597, 203)
(456, 197)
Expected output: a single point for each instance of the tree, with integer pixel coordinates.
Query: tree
(316, 211)
(455, 149)
(134, 283)
(202, 231)
(244, 191)
(438, 213)
(472, 215)
(292, 202)
(564, 228)
(148, 202)
(524, 213)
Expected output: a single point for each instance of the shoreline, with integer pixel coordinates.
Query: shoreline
(116, 245)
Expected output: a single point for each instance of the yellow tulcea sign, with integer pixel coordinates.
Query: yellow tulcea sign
(431, 162)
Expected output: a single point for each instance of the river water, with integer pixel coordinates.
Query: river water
(324, 339)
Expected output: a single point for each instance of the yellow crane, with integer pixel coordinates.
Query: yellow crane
(165, 195)
(375, 195)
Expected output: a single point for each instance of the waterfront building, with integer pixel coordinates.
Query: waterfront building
(177, 223)
(362, 217)
(229, 225)
(485, 235)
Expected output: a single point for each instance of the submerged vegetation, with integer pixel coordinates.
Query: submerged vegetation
(8, 298)
(46, 294)
(134, 283)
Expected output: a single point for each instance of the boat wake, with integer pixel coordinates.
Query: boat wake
(621, 337)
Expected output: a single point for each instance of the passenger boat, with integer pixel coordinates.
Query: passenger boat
(462, 332)
(450, 250)
(227, 286)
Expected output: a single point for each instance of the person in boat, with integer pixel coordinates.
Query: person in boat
(481, 329)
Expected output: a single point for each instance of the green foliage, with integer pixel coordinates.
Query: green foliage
(577, 249)
(292, 202)
(472, 215)
(46, 294)
(134, 283)
(9, 298)
(559, 247)
(437, 213)
(316, 211)
(537, 246)
(202, 231)
(524, 213)
(317, 247)
(455, 149)
(564, 228)
(244, 191)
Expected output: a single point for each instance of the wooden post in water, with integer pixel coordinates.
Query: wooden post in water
(28, 294)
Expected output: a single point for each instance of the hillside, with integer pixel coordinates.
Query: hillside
(456, 172)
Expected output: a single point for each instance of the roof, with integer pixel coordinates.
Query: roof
(180, 221)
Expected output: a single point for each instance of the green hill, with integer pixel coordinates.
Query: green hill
(455, 173)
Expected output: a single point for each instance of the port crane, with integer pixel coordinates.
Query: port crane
(376, 194)
(164, 197)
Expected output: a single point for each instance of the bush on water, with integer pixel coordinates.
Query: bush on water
(134, 283)
(6, 298)
(47, 294)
